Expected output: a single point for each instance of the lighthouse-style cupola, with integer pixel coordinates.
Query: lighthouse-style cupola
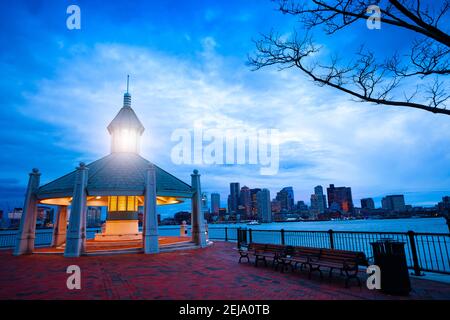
(126, 129)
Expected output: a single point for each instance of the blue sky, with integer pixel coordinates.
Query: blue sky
(187, 60)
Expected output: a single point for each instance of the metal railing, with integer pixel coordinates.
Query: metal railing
(8, 238)
(424, 251)
(44, 236)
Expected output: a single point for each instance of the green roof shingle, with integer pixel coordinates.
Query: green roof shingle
(117, 173)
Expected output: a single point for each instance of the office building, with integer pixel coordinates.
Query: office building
(318, 200)
(286, 199)
(394, 203)
(245, 201)
(264, 205)
(233, 202)
(254, 210)
(340, 198)
(367, 203)
(215, 203)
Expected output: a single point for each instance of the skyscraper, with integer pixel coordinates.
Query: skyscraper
(215, 203)
(290, 192)
(253, 193)
(276, 206)
(301, 206)
(286, 198)
(245, 200)
(340, 197)
(367, 203)
(318, 200)
(264, 205)
(393, 203)
(234, 197)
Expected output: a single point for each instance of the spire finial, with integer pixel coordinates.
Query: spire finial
(127, 96)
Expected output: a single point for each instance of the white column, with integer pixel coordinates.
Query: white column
(27, 229)
(75, 241)
(150, 229)
(197, 218)
(59, 236)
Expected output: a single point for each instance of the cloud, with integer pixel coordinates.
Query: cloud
(325, 137)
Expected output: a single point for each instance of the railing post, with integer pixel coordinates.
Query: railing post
(250, 237)
(412, 245)
(330, 232)
(282, 236)
(238, 236)
(226, 233)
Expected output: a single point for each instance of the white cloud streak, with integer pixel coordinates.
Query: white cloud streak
(325, 137)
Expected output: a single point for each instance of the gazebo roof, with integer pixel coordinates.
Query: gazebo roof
(126, 118)
(117, 174)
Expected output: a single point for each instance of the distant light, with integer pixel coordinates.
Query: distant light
(98, 197)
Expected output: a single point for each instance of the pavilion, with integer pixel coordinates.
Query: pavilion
(122, 181)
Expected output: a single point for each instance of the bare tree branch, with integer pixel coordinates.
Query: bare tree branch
(365, 78)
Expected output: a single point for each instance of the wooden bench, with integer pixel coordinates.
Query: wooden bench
(296, 256)
(347, 262)
(270, 251)
(262, 252)
(246, 250)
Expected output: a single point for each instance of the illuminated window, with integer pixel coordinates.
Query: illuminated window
(112, 204)
(122, 203)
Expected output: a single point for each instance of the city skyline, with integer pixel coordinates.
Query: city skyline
(318, 190)
(326, 138)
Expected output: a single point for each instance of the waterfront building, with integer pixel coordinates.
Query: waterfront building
(282, 198)
(233, 200)
(340, 198)
(121, 181)
(245, 201)
(367, 203)
(286, 198)
(215, 203)
(254, 210)
(318, 200)
(276, 206)
(14, 217)
(444, 205)
(264, 205)
(302, 206)
(394, 203)
(181, 216)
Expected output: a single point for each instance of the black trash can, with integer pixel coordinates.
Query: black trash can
(241, 237)
(390, 257)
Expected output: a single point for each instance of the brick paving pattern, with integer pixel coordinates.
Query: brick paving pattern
(210, 273)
